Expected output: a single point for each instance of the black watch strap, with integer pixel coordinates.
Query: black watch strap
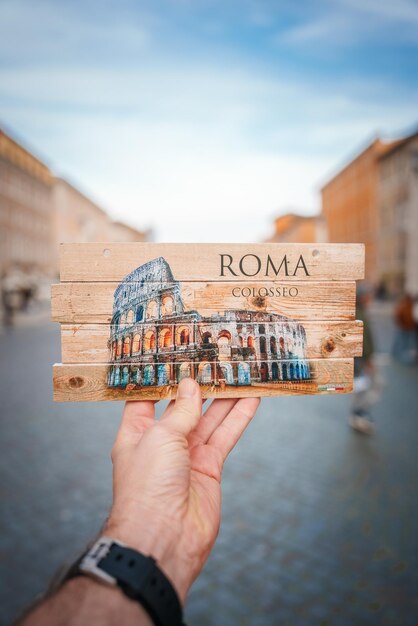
(137, 575)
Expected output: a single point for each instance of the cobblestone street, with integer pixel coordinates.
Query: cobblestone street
(319, 524)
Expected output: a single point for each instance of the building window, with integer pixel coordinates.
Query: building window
(250, 342)
(263, 349)
(261, 329)
(152, 309)
(139, 314)
(224, 338)
(136, 344)
(126, 346)
(168, 305)
(273, 346)
(184, 336)
(165, 338)
(149, 340)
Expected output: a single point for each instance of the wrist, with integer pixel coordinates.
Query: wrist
(161, 543)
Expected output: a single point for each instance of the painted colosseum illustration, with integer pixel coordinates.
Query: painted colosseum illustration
(155, 341)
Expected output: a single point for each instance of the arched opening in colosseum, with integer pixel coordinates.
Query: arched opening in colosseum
(168, 305)
(227, 374)
(114, 350)
(149, 340)
(136, 344)
(163, 374)
(207, 338)
(117, 376)
(151, 309)
(244, 377)
(261, 329)
(241, 341)
(297, 371)
(263, 348)
(165, 338)
(292, 371)
(275, 371)
(126, 346)
(205, 373)
(130, 316)
(183, 371)
(125, 376)
(135, 375)
(119, 348)
(264, 372)
(281, 344)
(273, 345)
(148, 375)
(182, 336)
(224, 338)
(139, 314)
(250, 341)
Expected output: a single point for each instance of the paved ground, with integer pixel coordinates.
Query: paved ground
(319, 527)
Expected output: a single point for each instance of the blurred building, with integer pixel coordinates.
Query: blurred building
(299, 228)
(76, 218)
(398, 205)
(350, 205)
(25, 210)
(119, 231)
(38, 211)
(372, 200)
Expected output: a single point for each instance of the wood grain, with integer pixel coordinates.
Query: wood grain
(88, 343)
(94, 262)
(87, 383)
(93, 302)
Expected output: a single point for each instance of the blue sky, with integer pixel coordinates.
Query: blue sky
(205, 119)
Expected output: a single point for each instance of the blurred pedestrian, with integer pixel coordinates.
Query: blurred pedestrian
(367, 385)
(404, 347)
(415, 316)
(11, 295)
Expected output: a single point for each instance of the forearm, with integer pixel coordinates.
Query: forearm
(84, 601)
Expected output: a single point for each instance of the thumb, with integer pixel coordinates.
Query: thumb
(184, 415)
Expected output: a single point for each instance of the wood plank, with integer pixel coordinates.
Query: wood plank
(89, 383)
(88, 343)
(308, 300)
(112, 262)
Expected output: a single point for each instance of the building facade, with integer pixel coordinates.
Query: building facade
(155, 341)
(25, 210)
(373, 200)
(350, 205)
(292, 227)
(398, 204)
(76, 218)
(119, 231)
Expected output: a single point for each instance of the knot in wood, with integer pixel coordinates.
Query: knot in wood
(328, 345)
(259, 302)
(76, 382)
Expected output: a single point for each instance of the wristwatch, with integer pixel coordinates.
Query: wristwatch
(139, 577)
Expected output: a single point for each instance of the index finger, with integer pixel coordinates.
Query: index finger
(138, 415)
(227, 434)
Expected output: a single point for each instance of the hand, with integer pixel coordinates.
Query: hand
(166, 478)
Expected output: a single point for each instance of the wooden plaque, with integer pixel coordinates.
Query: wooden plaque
(243, 320)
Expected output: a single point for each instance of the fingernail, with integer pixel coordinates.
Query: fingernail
(187, 388)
